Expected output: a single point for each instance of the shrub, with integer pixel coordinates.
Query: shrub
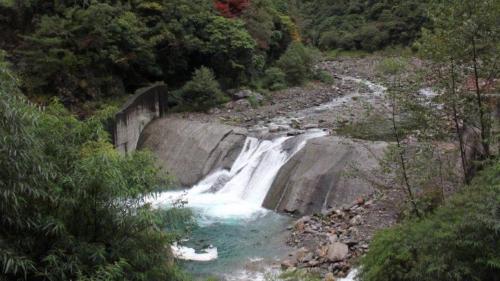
(458, 242)
(297, 63)
(203, 91)
(274, 79)
(323, 76)
(392, 66)
(254, 102)
(72, 207)
(329, 40)
(371, 38)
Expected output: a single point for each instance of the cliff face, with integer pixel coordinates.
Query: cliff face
(322, 175)
(190, 149)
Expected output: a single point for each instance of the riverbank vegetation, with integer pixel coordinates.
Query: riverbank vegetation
(458, 241)
(444, 237)
(72, 207)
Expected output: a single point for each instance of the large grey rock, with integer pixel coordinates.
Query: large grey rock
(337, 251)
(190, 150)
(316, 178)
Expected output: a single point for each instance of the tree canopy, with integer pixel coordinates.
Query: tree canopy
(72, 207)
(84, 50)
(361, 25)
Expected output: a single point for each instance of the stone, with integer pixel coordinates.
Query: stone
(329, 277)
(241, 105)
(295, 133)
(242, 94)
(190, 150)
(360, 201)
(139, 110)
(322, 252)
(332, 238)
(315, 176)
(273, 128)
(313, 263)
(356, 220)
(295, 123)
(301, 253)
(300, 226)
(308, 257)
(351, 242)
(310, 126)
(258, 97)
(337, 251)
(283, 128)
(286, 264)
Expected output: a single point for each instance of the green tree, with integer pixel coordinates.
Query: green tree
(274, 79)
(24, 180)
(203, 91)
(364, 25)
(297, 63)
(72, 207)
(86, 53)
(189, 34)
(458, 242)
(463, 47)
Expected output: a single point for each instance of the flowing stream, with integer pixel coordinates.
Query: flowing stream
(236, 238)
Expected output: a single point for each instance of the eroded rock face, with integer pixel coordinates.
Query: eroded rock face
(191, 149)
(318, 177)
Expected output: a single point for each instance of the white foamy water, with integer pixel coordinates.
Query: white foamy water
(187, 253)
(239, 192)
(236, 194)
(351, 276)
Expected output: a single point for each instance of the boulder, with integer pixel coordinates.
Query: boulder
(242, 94)
(329, 277)
(307, 258)
(337, 252)
(245, 94)
(258, 97)
(190, 150)
(322, 252)
(286, 264)
(310, 126)
(300, 254)
(315, 179)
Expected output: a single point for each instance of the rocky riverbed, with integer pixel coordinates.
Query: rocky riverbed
(300, 107)
(329, 242)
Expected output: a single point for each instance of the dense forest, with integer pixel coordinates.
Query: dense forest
(74, 208)
(83, 50)
(88, 50)
(361, 25)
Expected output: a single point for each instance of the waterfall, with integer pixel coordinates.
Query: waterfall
(239, 192)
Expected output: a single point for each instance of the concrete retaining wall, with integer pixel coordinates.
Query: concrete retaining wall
(143, 107)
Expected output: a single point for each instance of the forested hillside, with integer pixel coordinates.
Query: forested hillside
(81, 50)
(361, 25)
(94, 50)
